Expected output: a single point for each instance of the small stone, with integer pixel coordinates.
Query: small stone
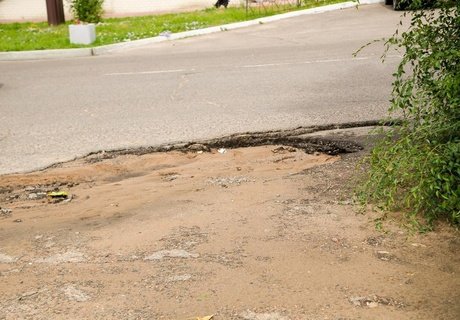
(171, 177)
(30, 188)
(5, 212)
(69, 199)
(17, 220)
(383, 300)
(357, 301)
(32, 196)
(375, 240)
(384, 255)
(13, 197)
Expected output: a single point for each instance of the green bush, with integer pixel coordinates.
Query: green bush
(87, 10)
(416, 168)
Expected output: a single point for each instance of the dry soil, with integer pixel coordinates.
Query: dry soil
(263, 233)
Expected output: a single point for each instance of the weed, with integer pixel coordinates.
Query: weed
(416, 167)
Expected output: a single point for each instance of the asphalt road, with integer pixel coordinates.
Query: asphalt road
(295, 72)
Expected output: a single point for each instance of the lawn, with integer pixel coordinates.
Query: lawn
(39, 36)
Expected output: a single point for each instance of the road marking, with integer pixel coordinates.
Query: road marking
(145, 72)
(312, 62)
(264, 65)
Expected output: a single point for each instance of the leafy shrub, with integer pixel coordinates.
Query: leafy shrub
(416, 168)
(87, 10)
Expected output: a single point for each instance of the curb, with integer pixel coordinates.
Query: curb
(45, 54)
(101, 50)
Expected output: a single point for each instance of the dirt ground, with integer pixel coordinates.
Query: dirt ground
(257, 233)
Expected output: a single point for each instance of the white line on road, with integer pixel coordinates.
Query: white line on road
(309, 62)
(144, 72)
(276, 64)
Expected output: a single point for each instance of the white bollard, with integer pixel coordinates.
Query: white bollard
(82, 33)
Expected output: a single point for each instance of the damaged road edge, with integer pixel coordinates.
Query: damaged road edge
(288, 137)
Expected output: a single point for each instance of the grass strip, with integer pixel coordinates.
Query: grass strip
(40, 36)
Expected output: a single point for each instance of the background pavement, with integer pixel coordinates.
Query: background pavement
(296, 72)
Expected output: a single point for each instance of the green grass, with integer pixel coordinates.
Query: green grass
(39, 36)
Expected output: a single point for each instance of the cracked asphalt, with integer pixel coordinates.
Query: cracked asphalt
(296, 72)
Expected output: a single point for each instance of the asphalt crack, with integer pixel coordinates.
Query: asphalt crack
(297, 138)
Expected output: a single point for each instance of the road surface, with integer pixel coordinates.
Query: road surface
(295, 72)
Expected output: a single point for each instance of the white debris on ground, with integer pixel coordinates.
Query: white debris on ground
(175, 253)
(182, 277)
(74, 294)
(226, 181)
(69, 256)
(7, 259)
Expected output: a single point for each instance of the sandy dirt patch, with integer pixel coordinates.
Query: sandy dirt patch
(261, 233)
